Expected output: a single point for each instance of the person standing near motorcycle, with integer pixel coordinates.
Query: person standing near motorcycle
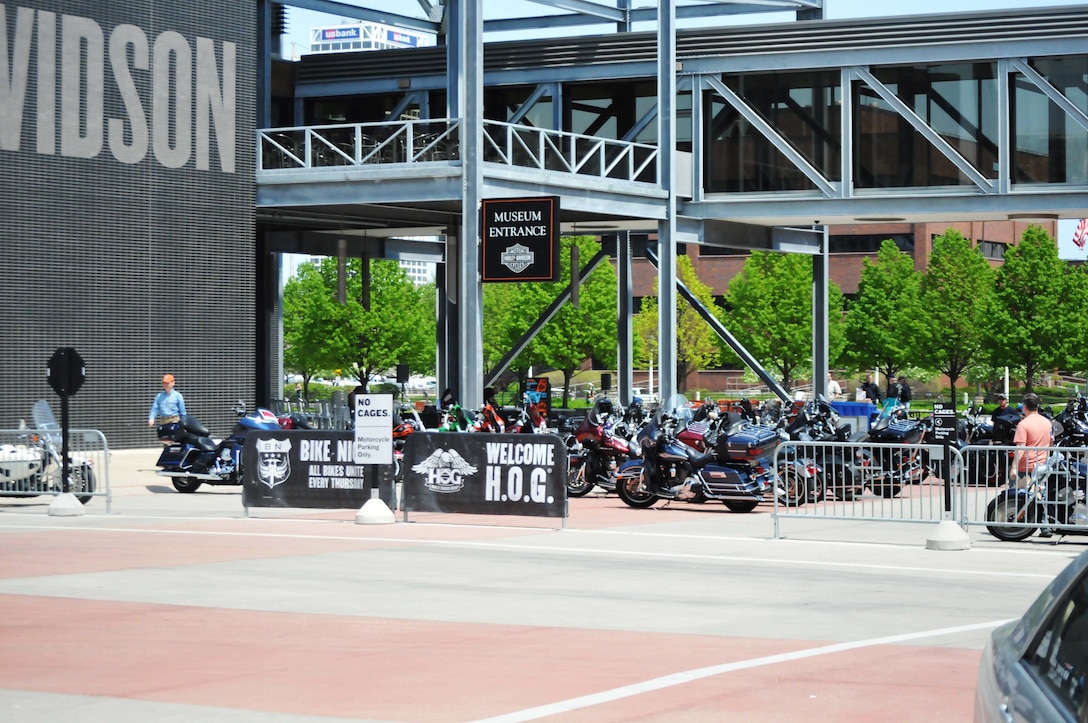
(167, 409)
(1034, 430)
(834, 391)
(901, 391)
(872, 391)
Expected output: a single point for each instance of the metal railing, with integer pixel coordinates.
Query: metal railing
(866, 481)
(550, 150)
(358, 144)
(31, 464)
(439, 140)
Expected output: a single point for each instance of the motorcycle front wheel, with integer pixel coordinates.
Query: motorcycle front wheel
(186, 485)
(634, 491)
(579, 483)
(1010, 508)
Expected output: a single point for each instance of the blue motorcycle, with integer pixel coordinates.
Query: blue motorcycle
(193, 458)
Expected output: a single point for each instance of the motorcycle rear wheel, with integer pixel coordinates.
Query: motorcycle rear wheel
(740, 505)
(634, 491)
(1005, 508)
(886, 490)
(795, 487)
(186, 485)
(82, 483)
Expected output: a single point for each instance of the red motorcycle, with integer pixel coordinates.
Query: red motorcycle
(598, 452)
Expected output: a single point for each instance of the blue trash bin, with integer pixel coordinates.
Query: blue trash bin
(858, 414)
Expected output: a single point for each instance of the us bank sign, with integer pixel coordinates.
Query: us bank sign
(175, 92)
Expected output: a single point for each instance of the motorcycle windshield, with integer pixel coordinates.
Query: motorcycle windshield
(45, 421)
(678, 407)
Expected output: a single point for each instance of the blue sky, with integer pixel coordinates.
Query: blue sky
(300, 21)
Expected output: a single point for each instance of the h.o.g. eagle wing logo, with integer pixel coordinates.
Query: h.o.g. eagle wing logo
(444, 471)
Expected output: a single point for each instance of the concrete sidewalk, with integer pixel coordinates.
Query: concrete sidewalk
(179, 607)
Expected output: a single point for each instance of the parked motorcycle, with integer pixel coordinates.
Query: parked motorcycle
(529, 420)
(601, 451)
(838, 469)
(194, 458)
(1052, 501)
(885, 470)
(35, 465)
(454, 418)
(410, 423)
(737, 470)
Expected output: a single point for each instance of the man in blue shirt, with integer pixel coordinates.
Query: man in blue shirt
(168, 407)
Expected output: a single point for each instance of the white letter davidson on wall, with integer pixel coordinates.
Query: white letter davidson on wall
(190, 92)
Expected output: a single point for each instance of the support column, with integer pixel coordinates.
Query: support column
(625, 304)
(820, 264)
(666, 228)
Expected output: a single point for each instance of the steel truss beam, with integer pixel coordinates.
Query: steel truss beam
(724, 334)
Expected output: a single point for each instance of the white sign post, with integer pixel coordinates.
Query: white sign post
(373, 444)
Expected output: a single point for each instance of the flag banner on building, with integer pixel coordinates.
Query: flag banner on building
(309, 468)
(491, 474)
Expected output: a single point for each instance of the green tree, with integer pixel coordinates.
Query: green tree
(770, 313)
(697, 346)
(398, 328)
(311, 322)
(884, 320)
(955, 293)
(1026, 329)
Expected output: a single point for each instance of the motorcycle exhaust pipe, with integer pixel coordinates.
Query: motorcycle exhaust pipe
(194, 475)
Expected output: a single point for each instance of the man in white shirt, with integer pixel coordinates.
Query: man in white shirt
(834, 391)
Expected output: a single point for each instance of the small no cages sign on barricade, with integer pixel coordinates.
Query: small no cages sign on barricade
(373, 415)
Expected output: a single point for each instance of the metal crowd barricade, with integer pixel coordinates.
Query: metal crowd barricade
(983, 498)
(31, 464)
(869, 481)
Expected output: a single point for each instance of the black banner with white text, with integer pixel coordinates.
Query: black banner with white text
(491, 474)
(310, 468)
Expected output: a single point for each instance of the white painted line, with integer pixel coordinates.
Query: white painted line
(552, 549)
(668, 681)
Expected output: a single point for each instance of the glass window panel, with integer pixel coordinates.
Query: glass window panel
(955, 100)
(802, 108)
(1049, 145)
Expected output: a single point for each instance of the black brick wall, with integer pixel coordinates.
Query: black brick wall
(143, 269)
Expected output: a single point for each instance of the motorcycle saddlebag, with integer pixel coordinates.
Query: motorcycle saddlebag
(748, 444)
(178, 456)
(906, 431)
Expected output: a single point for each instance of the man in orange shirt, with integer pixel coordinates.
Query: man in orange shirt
(1034, 430)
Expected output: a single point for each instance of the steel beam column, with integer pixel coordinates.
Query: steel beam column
(666, 228)
(470, 82)
(820, 355)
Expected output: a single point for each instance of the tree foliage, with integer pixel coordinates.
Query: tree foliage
(770, 313)
(955, 294)
(1026, 328)
(321, 334)
(572, 335)
(884, 320)
(697, 346)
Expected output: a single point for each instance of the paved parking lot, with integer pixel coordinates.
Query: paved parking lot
(179, 607)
